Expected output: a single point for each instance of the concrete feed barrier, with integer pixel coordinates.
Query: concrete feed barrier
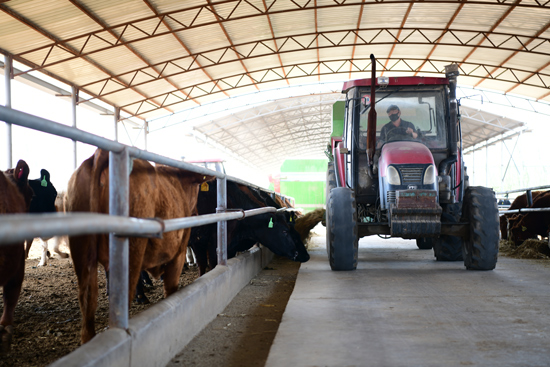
(156, 335)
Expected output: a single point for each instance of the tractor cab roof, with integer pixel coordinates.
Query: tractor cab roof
(405, 80)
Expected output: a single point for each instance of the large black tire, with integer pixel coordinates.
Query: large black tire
(424, 243)
(448, 248)
(330, 184)
(480, 249)
(342, 235)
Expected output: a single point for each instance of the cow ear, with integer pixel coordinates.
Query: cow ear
(21, 172)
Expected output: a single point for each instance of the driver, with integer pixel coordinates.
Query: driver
(396, 122)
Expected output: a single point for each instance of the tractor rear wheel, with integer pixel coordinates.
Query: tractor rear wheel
(448, 248)
(342, 235)
(480, 249)
(424, 243)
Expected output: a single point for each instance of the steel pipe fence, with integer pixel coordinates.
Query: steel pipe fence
(21, 227)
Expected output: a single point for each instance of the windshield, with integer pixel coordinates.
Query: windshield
(418, 115)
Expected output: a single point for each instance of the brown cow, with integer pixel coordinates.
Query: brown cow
(15, 197)
(519, 203)
(155, 192)
(529, 225)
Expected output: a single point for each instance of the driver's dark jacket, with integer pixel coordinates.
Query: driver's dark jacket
(390, 126)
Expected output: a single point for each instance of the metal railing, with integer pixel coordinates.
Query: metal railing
(14, 228)
(528, 191)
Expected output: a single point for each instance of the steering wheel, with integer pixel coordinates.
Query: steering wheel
(397, 131)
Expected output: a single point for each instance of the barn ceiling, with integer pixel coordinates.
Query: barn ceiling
(155, 57)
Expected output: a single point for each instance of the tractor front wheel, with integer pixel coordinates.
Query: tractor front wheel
(424, 243)
(342, 235)
(448, 248)
(480, 249)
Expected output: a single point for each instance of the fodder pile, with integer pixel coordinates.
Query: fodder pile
(529, 249)
(305, 223)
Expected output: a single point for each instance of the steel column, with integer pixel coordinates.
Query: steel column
(222, 225)
(117, 117)
(118, 246)
(74, 101)
(8, 72)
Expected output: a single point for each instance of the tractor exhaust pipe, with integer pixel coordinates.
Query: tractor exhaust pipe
(371, 124)
(451, 72)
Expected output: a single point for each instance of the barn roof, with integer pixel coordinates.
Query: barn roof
(155, 57)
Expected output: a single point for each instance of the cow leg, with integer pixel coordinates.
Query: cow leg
(141, 298)
(45, 253)
(55, 246)
(84, 254)
(11, 291)
(28, 244)
(172, 274)
(201, 256)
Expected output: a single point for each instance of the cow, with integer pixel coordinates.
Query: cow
(271, 229)
(518, 203)
(15, 197)
(531, 224)
(45, 200)
(154, 192)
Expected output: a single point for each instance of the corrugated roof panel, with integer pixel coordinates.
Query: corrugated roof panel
(117, 60)
(248, 30)
(299, 57)
(78, 71)
(332, 19)
(59, 18)
(294, 23)
(116, 12)
(164, 6)
(15, 37)
(536, 92)
(203, 38)
(524, 21)
(439, 16)
(160, 49)
(478, 17)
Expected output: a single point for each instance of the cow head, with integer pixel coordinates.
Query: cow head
(519, 233)
(43, 200)
(275, 233)
(20, 177)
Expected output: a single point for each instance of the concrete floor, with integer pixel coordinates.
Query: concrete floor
(402, 308)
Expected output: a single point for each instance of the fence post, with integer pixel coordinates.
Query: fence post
(118, 246)
(222, 225)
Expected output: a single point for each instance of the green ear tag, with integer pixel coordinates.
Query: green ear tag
(44, 183)
(291, 218)
(270, 225)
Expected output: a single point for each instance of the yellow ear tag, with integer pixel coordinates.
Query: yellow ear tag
(204, 186)
(291, 218)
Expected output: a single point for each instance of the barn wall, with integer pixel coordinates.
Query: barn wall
(156, 335)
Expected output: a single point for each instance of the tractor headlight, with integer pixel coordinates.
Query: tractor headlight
(429, 175)
(393, 176)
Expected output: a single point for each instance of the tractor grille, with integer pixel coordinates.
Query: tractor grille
(411, 174)
(391, 196)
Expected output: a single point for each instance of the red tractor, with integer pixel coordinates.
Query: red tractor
(398, 170)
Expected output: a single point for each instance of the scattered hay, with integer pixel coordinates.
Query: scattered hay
(305, 223)
(529, 249)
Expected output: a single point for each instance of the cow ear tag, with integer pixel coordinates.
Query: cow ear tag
(523, 228)
(270, 225)
(44, 183)
(204, 186)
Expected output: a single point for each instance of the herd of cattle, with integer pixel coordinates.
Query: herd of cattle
(155, 192)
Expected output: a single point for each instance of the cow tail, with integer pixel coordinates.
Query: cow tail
(101, 163)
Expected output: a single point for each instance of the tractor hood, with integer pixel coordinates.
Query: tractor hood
(403, 152)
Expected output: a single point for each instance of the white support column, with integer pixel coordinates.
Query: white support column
(145, 133)
(486, 163)
(117, 117)
(8, 74)
(73, 110)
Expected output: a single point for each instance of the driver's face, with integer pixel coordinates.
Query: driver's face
(394, 115)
